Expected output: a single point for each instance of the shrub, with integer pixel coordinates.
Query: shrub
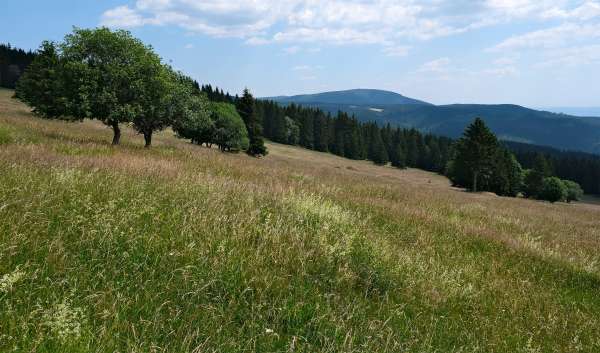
(230, 131)
(574, 191)
(553, 190)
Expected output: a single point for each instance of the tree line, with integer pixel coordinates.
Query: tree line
(13, 62)
(481, 163)
(345, 136)
(584, 168)
(113, 77)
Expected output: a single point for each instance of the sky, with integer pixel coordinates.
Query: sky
(536, 53)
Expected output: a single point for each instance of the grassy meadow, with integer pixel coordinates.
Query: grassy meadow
(181, 248)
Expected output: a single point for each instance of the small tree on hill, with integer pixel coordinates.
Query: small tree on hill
(246, 109)
(475, 151)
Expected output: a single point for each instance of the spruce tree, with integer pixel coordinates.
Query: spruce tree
(246, 109)
(476, 151)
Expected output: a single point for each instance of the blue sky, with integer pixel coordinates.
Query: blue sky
(537, 53)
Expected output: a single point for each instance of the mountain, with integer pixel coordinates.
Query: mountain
(510, 122)
(350, 97)
(577, 111)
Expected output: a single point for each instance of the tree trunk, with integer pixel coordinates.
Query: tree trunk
(116, 133)
(475, 181)
(148, 139)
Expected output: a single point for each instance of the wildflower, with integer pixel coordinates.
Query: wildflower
(10, 279)
(64, 321)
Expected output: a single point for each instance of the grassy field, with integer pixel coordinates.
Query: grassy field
(183, 249)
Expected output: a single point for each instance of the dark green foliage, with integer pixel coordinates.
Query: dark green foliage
(13, 63)
(230, 130)
(583, 168)
(534, 178)
(507, 174)
(101, 68)
(475, 153)
(193, 119)
(574, 191)
(40, 86)
(510, 121)
(377, 151)
(480, 163)
(247, 110)
(553, 190)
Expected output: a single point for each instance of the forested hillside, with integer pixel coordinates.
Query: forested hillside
(508, 121)
(13, 62)
(346, 136)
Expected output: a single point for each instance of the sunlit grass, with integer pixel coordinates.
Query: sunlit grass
(184, 249)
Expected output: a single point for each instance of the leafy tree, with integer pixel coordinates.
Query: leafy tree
(475, 152)
(246, 109)
(553, 190)
(158, 101)
(108, 75)
(574, 191)
(292, 131)
(230, 130)
(191, 113)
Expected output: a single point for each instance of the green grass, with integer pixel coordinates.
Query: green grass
(184, 249)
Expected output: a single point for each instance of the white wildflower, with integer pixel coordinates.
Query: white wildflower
(64, 321)
(10, 279)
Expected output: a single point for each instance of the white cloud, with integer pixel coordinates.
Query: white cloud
(189, 46)
(571, 57)
(122, 16)
(550, 37)
(397, 51)
(440, 65)
(394, 25)
(257, 41)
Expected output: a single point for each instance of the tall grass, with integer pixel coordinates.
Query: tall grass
(184, 249)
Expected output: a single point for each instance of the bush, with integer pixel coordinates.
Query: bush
(553, 190)
(574, 191)
(230, 130)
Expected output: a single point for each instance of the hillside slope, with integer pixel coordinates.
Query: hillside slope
(182, 248)
(510, 122)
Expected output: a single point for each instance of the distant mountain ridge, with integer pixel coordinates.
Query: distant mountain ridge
(353, 96)
(510, 122)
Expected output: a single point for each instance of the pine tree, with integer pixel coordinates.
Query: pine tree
(246, 109)
(476, 151)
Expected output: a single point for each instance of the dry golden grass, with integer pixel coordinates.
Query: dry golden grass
(183, 248)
